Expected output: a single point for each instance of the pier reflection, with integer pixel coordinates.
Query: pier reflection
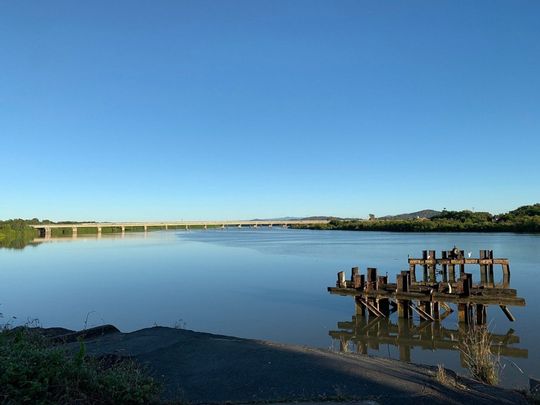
(432, 298)
(365, 332)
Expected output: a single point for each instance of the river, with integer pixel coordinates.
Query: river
(264, 283)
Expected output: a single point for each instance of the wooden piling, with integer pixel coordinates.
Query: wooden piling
(412, 272)
(506, 275)
(483, 268)
(403, 305)
(425, 266)
(371, 278)
(376, 295)
(432, 268)
(491, 277)
(507, 313)
(341, 282)
(444, 255)
(354, 272)
(452, 273)
(359, 308)
(384, 306)
(381, 281)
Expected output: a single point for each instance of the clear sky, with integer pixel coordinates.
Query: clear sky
(146, 110)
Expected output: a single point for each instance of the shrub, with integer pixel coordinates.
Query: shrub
(32, 370)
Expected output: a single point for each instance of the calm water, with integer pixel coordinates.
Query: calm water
(256, 283)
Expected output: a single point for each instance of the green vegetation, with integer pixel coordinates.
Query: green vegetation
(16, 233)
(33, 370)
(525, 219)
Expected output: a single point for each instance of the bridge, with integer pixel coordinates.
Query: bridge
(45, 230)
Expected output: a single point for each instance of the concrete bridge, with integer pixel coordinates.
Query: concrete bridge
(45, 230)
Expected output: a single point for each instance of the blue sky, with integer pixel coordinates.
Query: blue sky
(143, 110)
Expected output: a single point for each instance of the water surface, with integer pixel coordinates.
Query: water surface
(256, 283)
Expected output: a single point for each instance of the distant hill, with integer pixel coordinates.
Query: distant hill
(412, 215)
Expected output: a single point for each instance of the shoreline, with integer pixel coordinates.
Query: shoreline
(197, 367)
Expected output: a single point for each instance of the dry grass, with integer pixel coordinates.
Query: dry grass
(479, 359)
(445, 379)
(441, 375)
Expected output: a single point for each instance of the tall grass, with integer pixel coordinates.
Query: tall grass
(481, 362)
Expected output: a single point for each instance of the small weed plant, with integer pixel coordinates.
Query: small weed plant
(441, 375)
(32, 370)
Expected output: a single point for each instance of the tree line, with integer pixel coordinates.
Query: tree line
(525, 219)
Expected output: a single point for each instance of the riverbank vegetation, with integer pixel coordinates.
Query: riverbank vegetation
(34, 370)
(481, 362)
(525, 219)
(16, 234)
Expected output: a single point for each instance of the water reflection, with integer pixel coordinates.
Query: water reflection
(364, 332)
(431, 298)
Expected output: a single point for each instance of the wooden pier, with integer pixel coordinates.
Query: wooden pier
(439, 286)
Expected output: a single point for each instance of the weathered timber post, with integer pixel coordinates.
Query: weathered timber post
(360, 282)
(359, 307)
(373, 285)
(356, 278)
(464, 309)
(462, 265)
(424, 257)
(407, 278)
(491, 277)
(506, 275)
(483, 268)
(354, 271)
(403, 305)
(371, 278)
(444, 255)
(74, 231)
(467, 283)
(381, 281)
(507, 313)
(412, 272)
(341, 283)
(427, 307)
(146, 228)
(383, 304)
(451, 269)
(432, 274)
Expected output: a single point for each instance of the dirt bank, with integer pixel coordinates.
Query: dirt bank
(204, 368)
